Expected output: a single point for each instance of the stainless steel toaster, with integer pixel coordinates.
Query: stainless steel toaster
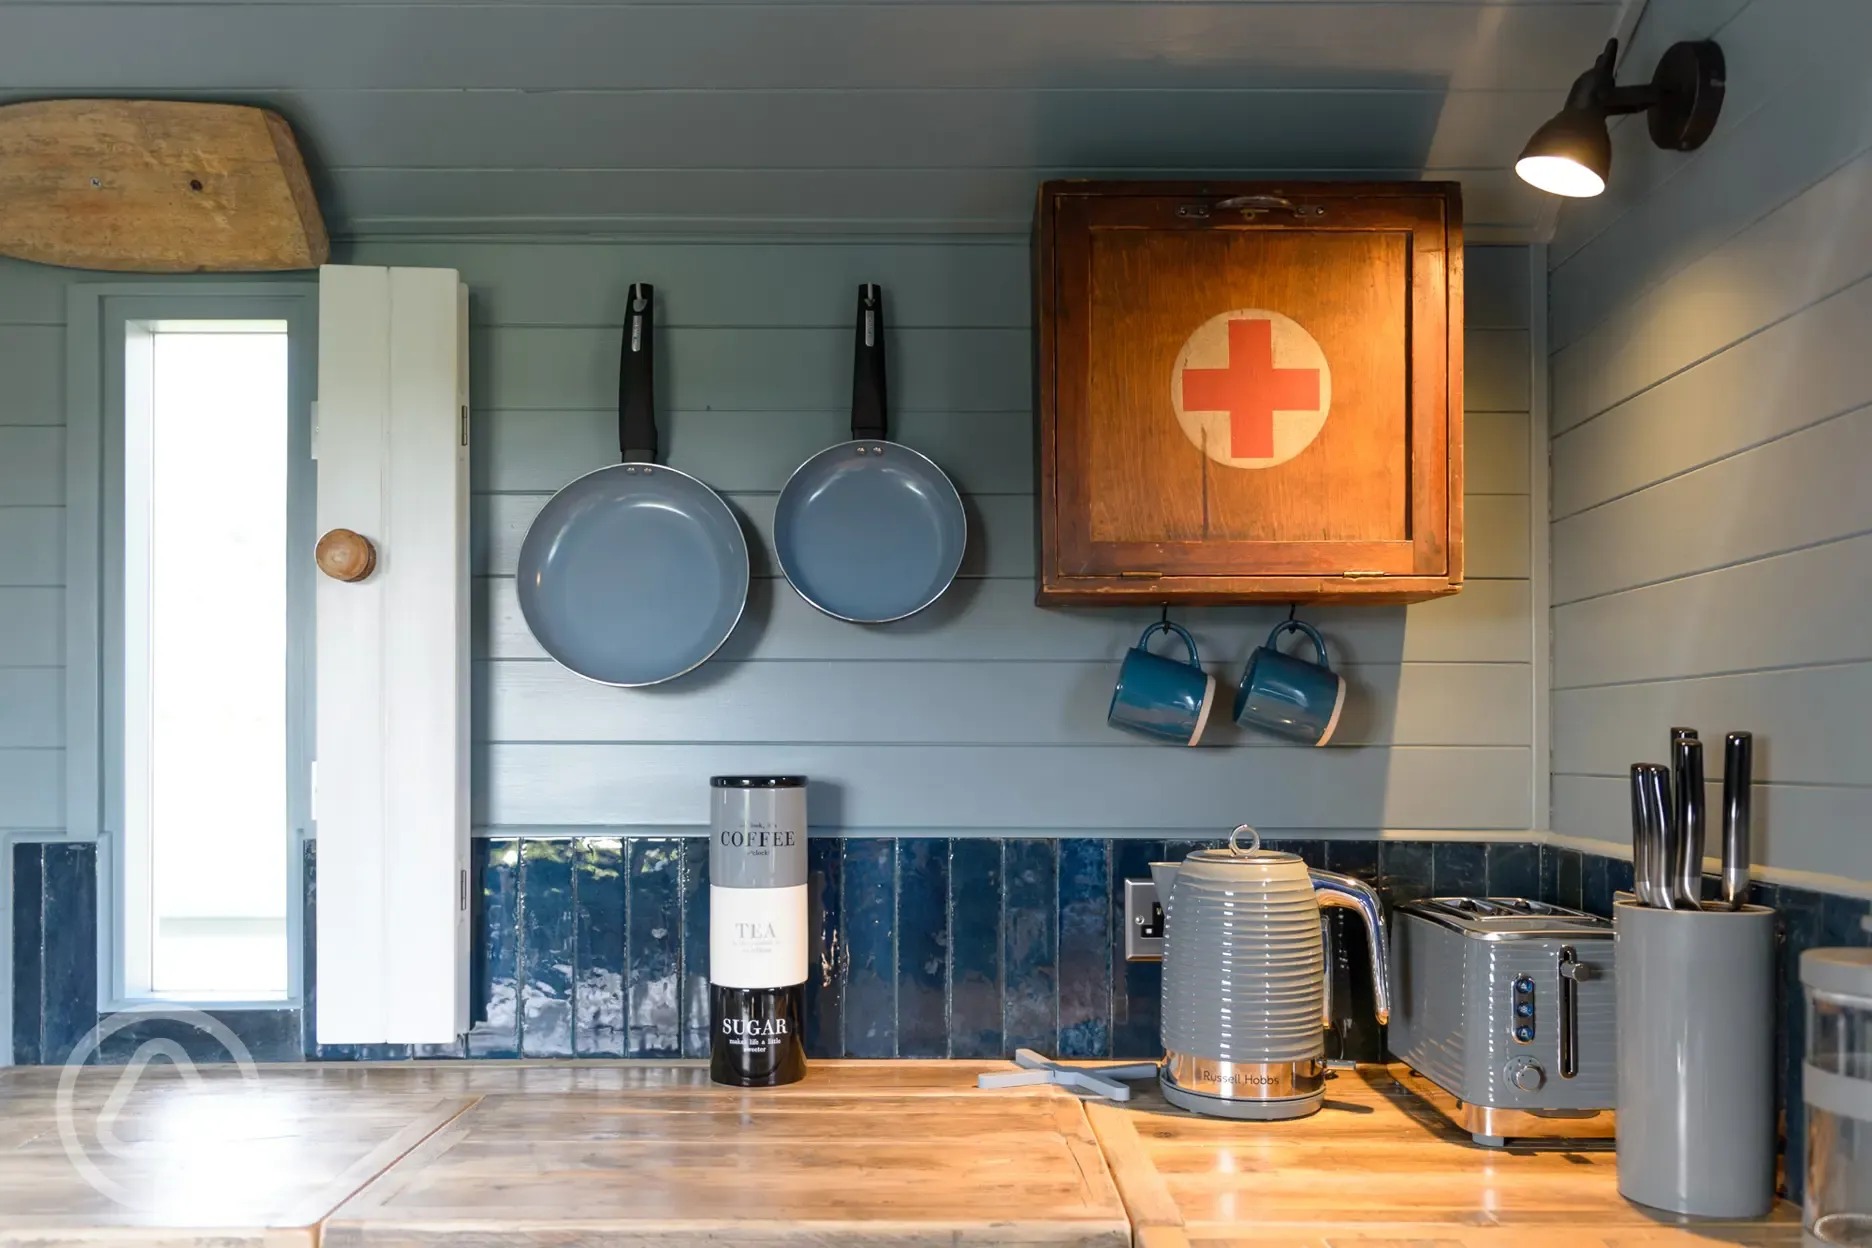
(1506, 1006)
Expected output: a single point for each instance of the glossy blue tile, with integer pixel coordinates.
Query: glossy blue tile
(546, 948)
(870, 904)
(922, 946)
(1029, 945)
(975, 948)
(496, 964)
(694, 886)
(1596, 885)
(1136, 986)
(1085, 947)
(653, 987)
(266, 1035)
(1763, 894)
(1358, 859)
(1803, 925)
(1311, 851)
(1569, 878)
(598, 947)
(1458, 868)
(1177, 851)
(828, 957)
(1549, 875)
(308, 964)
(28, 951)
(1619, 878)
(1514, 870)
(1840, 921)
(1355, 1034)
(1407, 869)
(308, 948)
(68, 987)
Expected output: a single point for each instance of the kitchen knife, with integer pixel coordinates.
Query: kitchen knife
(1738, 774)
(1660, 828)
(1641, 838)
(1692, 816)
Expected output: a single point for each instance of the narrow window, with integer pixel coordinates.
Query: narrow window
(205, 659)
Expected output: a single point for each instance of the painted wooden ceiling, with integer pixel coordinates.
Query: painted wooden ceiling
(532, 117)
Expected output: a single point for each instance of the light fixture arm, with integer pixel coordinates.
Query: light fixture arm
(1596, 90)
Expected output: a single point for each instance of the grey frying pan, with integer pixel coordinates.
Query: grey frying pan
(869, 530)
(635, 573)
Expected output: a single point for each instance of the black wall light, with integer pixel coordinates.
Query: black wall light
(1572, 153)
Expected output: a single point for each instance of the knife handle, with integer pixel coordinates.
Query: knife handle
(1738, 775)
(1692, 815)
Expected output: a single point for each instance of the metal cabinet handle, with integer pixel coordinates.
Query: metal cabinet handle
(1573, 973)
(1272, 203)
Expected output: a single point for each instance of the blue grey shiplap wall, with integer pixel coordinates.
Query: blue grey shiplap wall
(1712, 419)
(984, 715)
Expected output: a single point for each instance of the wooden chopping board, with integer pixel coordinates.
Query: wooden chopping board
(857, 1154)
(155, 186)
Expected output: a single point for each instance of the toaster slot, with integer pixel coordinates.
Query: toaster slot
(1573, 973)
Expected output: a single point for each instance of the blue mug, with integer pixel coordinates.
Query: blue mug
(1162, 697)
(1288, 696)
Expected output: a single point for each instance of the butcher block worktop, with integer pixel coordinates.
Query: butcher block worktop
(899, 1154)
(1377, 1168)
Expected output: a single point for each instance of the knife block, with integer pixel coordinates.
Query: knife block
(1696, 1123)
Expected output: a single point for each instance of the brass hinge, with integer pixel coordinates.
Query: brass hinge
(1360, 575)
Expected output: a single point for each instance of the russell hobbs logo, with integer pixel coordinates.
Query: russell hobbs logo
(1216, 1076)
(754, 1027)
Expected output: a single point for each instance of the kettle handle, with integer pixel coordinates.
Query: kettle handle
(1342, 891)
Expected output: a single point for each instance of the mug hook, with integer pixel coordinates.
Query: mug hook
(1237, 850)
(1293, 609)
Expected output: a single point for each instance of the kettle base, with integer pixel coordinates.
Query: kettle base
(1271, 1109)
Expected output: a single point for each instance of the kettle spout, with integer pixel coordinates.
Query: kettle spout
(1164, 876)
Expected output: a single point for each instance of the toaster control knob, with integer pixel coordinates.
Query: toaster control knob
(1527, 1076)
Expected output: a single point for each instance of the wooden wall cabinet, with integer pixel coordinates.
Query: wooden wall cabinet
(1249, 391)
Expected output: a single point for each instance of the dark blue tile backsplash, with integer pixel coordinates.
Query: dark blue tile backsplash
(921, 947)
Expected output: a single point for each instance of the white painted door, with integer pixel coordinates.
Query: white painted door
(390, 800)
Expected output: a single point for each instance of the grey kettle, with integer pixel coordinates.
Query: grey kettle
(1244, 978)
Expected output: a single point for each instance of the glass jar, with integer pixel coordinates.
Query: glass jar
(1837, 1087)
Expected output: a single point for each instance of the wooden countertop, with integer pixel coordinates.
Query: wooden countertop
(1380, 1169)
(903, 1154)
(899, 1154)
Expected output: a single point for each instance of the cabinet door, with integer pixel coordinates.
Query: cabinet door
(1254, 391)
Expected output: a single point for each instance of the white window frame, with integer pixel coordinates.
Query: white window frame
(98, 320)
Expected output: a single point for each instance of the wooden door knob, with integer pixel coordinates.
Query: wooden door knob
(345, 556)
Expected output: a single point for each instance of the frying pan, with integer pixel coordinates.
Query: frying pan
(869, 530)
(635, 573)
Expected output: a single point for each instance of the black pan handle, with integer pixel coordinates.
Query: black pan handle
(868, 366)
(637, 433)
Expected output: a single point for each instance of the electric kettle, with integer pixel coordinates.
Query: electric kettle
(1244, 978)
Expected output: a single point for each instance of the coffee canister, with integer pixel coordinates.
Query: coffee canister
(757, 930)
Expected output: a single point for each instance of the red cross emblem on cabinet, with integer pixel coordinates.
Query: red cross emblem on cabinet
(1251, 388)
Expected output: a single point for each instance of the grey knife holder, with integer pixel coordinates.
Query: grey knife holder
(1696, 1003)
